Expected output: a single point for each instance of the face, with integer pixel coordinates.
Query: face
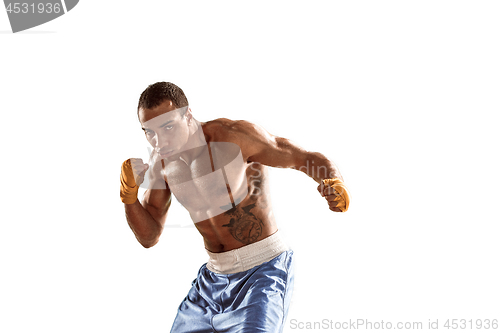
(166, 130)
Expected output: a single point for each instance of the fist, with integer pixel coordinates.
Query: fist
(335, 193)
(139, 169)
(156, 172)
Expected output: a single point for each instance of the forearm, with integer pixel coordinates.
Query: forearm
(318, 167)
(146, 229)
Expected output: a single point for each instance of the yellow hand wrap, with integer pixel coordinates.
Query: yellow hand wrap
(128, 187)
(341, 192)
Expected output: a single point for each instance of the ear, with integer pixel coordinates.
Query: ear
(188, 115)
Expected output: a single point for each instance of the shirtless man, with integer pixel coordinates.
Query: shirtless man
(218, 171)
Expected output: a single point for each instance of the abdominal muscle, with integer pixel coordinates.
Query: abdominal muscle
(244, 216)
(246, 223)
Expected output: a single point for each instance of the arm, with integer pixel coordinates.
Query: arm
(262, 147)
(147, 219)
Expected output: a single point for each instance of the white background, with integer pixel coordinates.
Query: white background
(402, 96)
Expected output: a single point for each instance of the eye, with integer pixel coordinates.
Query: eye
(148, 132)
(169, 127)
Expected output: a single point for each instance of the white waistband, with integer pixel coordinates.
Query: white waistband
(248, 256)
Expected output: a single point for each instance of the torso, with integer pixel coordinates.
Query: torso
(226, 195)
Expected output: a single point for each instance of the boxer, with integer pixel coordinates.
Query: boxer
(217, 170)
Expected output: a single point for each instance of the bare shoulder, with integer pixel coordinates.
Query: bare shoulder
(224, 129)
(249, 136)
(219, 124)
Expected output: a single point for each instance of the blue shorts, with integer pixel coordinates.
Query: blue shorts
(252, 301)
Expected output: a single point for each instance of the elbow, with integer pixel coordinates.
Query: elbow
(148, 243)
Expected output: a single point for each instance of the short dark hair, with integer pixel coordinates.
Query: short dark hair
(159, 92)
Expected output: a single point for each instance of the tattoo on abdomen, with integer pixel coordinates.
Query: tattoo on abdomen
(244, 226)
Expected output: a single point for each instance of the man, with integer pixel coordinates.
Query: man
(218, 171)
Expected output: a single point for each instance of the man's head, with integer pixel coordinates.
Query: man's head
(165, 118)
(157, 93)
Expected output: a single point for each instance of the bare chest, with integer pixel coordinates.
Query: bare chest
(212, 183)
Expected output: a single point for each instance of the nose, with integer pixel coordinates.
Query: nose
(162, 142)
